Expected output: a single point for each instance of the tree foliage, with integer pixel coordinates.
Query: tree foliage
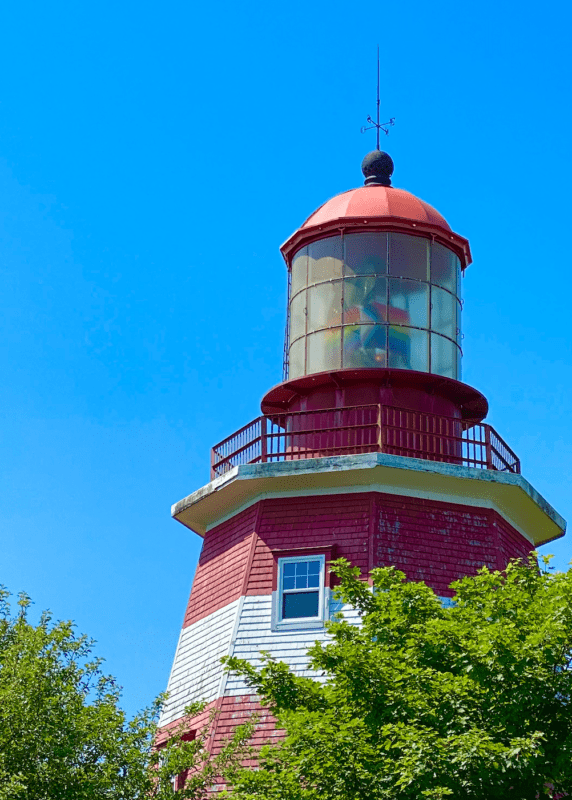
(63, 735)
(471, 700)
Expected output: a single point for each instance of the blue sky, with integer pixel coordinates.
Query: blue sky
(153, 157)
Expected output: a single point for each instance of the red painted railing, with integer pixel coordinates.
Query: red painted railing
(363, 429)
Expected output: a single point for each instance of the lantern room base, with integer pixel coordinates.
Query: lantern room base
(407, 389)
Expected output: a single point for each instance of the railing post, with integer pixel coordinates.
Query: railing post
(488, 448)
(263, 441)
(380, 436)
(213, 473)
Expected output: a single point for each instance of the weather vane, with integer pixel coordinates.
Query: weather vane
(383, 126)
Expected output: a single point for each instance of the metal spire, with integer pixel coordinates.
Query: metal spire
(384, 126)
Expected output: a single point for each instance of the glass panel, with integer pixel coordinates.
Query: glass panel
(399, 347)
(443, 312)
(289, 568)
(324, 305)
(459, 372)
(444, 267)
(325, 259)
(458, 337)
(296, 359)
(365, 254)
(288, 582)
(408, 303)
(313, 581)
(300, 270)
(301, 582)
(409, 256)
(365, 300)
(443, 356)
(314, 568)
(305, 604)
(324, 351)
(298, 316)
(408, 348)
(301, 567)
(365, 346)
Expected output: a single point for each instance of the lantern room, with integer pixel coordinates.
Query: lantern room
(375, 283)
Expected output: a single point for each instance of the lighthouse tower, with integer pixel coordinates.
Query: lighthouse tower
(370, 449)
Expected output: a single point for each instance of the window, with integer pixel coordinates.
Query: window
(300, 599)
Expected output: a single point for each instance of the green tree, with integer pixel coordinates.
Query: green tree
(472, 700)
(63, 735)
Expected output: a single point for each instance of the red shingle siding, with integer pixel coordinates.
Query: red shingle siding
(438, 542)
(297, 522)
(511, 543)
(222, 563)
(429, 540)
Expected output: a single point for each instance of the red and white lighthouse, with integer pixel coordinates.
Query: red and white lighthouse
(371, 448)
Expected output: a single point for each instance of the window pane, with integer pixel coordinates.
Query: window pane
(300, 270)
(444, 267)
(324, 305)
(301, 582)
(296, 358)
(289, 568)
(298, 316)
(313, 581)
(408, 303)
(409, 256)
(443, 356)
(443, 312)
(288, 582)
(305, 604)
(325, 259)
(365, 346)
(324, 351)
(399, 347)
(314, 568)
(407, 348)
(365, 254)
(301, 567)
(365, 300)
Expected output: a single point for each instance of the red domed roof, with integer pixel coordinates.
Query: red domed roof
(377, 201)
(377, 207)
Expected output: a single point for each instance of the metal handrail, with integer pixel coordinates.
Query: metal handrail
(298, 435)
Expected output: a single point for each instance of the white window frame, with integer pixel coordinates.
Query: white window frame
(299, 623)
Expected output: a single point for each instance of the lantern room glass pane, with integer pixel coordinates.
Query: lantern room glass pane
(407, 348)
(409, 256)
(324, 305)
(365, 346)
(444, 313)
(408, 303)
(297, 358)
(444, 354)
(300, 270)
(325, 259)
(365, 300)
(324, 351)
(445, 266)
(298, 316)
(365, 254)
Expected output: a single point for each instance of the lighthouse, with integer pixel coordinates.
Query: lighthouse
(371, 448)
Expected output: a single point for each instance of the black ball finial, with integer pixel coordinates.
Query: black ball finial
(377, 168)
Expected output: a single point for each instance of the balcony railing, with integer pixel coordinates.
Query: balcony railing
(363, 429)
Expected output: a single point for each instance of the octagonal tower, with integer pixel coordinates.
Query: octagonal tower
(371, 448)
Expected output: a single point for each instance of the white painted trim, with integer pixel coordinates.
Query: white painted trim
(474, 502)
(516, 499)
